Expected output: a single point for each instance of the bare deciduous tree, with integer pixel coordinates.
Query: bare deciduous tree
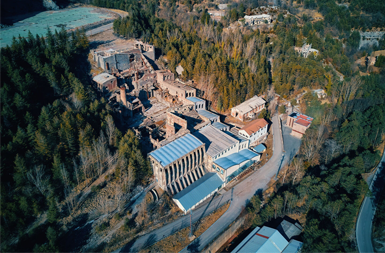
(297, 169)
(39, 179)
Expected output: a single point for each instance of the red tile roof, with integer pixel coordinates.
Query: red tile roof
(303, 122)
(254, 126)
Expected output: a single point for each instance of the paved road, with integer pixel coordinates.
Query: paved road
(239, 196)
(103, 27)
(366, 215)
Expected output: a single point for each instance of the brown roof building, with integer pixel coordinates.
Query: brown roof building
(254, 130)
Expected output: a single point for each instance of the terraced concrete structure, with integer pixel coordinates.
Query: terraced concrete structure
(179, 163)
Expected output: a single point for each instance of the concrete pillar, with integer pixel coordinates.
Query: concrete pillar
(199, 156)
(190, 177)
(170, 189)
(196, 174)
(169, 175)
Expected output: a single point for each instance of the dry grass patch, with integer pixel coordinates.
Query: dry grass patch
(179, 240)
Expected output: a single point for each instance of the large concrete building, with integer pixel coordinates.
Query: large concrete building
(248, 109)
(299, 123)
(179, 163)
(255, 130)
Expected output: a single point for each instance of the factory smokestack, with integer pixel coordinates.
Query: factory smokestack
(123, 96)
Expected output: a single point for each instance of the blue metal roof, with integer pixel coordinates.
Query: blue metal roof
(176, 149)
(195, 99)
(220, 125)
(198, 190)
(234, 159)
(207, 114)
(260, 148)
(265, 240)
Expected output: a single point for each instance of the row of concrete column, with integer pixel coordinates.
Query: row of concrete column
(182, 166)
(184, 181)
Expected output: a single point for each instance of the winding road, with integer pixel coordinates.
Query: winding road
(239, 195)
(366, 215)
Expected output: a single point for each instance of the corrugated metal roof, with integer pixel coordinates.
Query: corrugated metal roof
(260, 148)
(198, 190)
(234, 132)
(220, 126)
(265, 240)
(103, 77)
(293, 247)
(176, 149)
(195, 99)
(234, 159)
(207, 114)
(216, 141)
(250, 104)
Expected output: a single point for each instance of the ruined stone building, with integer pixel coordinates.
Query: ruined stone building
(248, 109)
(166, 81)
(126, 61)
(299, 123)
(144, 87)
(105, 82)
(179, 163)
(258, 19)
(146, 49)
(370, 38)
(306, 50)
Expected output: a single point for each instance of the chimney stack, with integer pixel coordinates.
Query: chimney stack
(123, 96)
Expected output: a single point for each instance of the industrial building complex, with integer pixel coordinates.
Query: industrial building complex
(192, 153)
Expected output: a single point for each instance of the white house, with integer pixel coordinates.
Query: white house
(254, 130)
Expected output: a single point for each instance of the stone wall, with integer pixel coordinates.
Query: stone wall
(172, 121)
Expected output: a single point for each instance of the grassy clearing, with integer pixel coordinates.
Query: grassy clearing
(179, 240)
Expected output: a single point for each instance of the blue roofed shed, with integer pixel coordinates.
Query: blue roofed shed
(176, 149)
(260, 148)
(198, 191)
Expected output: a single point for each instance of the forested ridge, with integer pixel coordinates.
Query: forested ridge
(56, 135)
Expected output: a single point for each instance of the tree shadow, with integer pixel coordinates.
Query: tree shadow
(194, 246)
(150, 241)
(128, 246)
(77, 236)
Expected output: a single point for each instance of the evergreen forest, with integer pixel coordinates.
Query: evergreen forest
(57, 137)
